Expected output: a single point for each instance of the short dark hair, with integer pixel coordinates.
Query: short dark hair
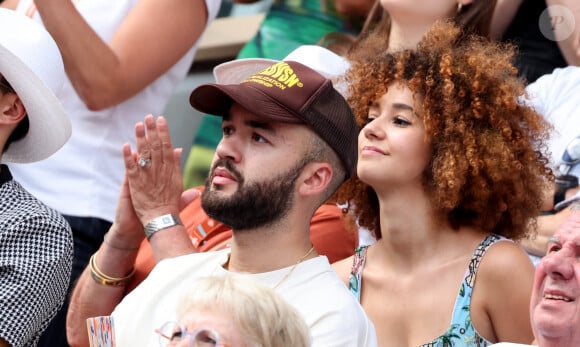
(5, 87)
(22, 127)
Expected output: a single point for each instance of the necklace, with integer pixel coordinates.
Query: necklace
(294, 267)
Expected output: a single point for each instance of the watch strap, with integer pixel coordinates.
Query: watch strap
(563, 183)
(560, 194)
(162, 222)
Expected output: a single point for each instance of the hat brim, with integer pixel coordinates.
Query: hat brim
(49, 127)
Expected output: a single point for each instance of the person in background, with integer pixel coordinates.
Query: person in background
(449, 167)
(546, 32)
(224, 311)
(123, 60)
(328, 232)
(556, 295)
(286, 110)
(36, 245)
(554, 96)
(401, 24)
(288, 25)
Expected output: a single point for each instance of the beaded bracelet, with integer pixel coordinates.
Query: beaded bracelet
(99, 277)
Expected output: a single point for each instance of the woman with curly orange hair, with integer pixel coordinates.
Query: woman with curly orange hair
(450, 167)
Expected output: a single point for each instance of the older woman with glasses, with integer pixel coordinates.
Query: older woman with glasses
(234, 311)
(222, 311)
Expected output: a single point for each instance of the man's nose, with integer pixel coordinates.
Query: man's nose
(229, 148)
(559, 264)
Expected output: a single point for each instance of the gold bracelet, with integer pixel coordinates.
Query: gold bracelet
(99, 277)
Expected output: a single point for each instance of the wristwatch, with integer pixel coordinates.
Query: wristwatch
(563, 183)
(160, 223)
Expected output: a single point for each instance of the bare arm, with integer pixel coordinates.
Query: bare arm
(116, 258)
(141, 199)
(91, 299)
(3, 343)
(153, 37)
(503, 15)
(567, 31)
(547, 225)
(504, 280)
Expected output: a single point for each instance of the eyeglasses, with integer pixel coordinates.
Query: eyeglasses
(174, 334)
(571, 155)
(5, 87)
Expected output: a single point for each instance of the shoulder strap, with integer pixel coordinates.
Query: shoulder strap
(478, 256)
(358, 264)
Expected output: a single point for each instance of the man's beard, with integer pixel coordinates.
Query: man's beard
(254, 204)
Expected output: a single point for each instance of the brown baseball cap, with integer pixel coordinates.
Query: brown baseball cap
(288, 92)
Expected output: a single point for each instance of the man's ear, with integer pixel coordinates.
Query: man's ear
(12, 109)
(315, 178)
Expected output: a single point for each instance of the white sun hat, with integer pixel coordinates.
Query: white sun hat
(325, 62)
(31, 62)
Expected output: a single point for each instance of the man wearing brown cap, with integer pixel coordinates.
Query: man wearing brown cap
(289, 141)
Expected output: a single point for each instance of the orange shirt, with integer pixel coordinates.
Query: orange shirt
(328, 234)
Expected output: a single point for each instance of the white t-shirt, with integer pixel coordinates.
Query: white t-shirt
(83, 178)
(556, 96)
(313, 288)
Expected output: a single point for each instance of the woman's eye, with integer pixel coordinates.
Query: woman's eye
(205, 338)
(401, 121)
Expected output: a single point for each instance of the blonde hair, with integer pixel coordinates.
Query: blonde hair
(263, 317)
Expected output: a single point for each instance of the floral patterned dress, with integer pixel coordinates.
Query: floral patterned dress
(461, 332)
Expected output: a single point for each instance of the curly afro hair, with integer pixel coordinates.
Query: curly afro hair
(489, 168)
